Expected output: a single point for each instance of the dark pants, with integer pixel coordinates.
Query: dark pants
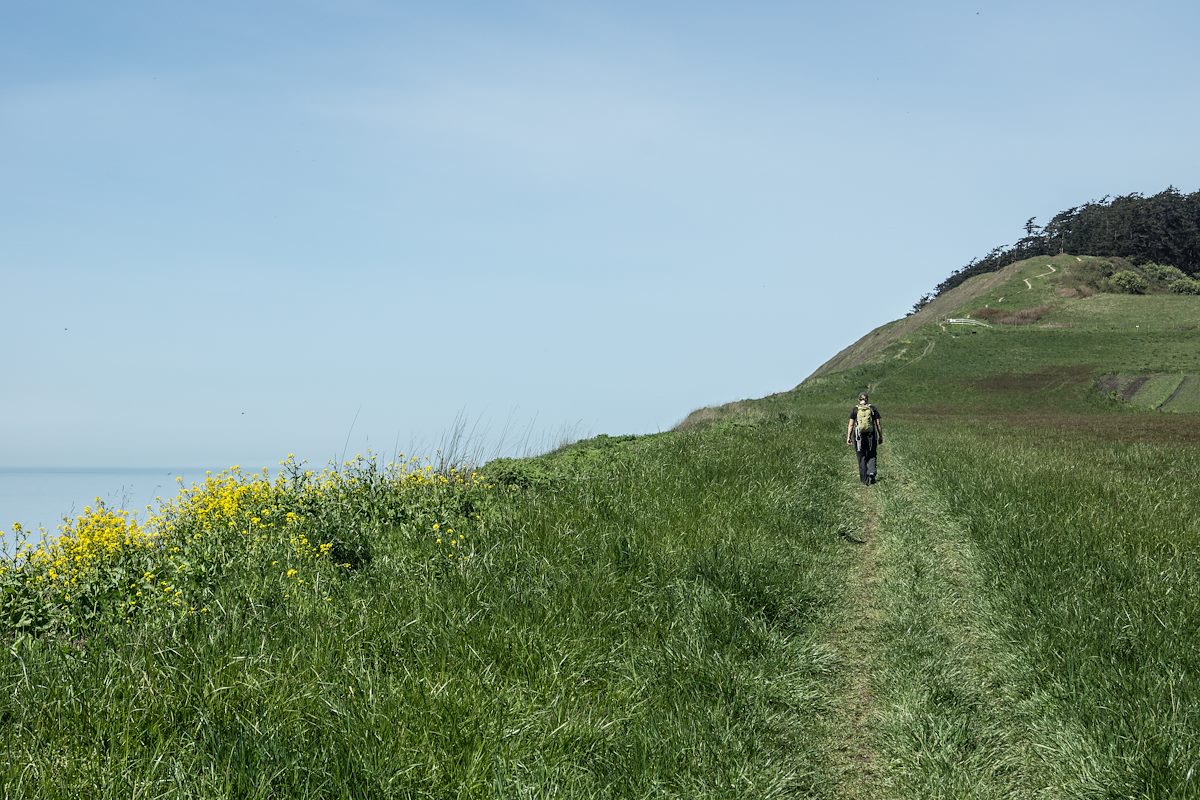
(866, 447)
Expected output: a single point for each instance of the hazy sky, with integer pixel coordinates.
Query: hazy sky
(230, 231)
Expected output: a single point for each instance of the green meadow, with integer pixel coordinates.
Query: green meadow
(719, 611)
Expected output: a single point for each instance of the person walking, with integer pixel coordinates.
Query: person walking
(864, 432)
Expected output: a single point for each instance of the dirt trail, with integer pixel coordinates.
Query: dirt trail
(928, 349)
(1050, 270)
(937, 702)
(859, 763)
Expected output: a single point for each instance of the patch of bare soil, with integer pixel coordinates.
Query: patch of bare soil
(1124, 428)
(1130, 389)
(1122, 387)
(1041, 380)
(1020, 316)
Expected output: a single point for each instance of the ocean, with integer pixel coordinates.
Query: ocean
(42, 497)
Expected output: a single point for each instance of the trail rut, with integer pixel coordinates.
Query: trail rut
(859, 763)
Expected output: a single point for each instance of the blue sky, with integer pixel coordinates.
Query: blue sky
(230, 231)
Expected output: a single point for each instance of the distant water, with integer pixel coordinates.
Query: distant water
(42, 497)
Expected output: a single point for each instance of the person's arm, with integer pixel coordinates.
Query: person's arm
(878, 427)
(850, 431)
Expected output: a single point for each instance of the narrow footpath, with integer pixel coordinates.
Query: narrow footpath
(933, 702)
(857, 759)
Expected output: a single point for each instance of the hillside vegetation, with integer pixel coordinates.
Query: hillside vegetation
(719, 611)
(1161, 229)
(1040, 331)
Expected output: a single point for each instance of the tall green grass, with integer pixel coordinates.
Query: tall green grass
(1081, 566)
(647, 618)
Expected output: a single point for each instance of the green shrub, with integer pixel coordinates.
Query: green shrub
(1092, 274)
(271, 540)
(520, 473)
(1185, 286)
(1163, 274)
(1127, 281)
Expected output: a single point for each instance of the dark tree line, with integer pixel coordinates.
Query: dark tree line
(1163, 228)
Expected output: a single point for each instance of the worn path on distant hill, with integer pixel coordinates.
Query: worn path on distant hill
(1050, 270)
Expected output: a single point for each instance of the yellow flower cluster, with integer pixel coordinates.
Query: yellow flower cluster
(83, 542)
(229, 498)
(230, 518)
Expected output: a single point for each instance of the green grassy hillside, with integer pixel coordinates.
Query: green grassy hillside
(720, 611)
(1028, 337)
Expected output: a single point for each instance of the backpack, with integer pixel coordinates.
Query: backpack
(864, 419)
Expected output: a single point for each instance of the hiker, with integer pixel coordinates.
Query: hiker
(865, 433)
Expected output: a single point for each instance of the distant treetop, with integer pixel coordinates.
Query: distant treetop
(1163, 228)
